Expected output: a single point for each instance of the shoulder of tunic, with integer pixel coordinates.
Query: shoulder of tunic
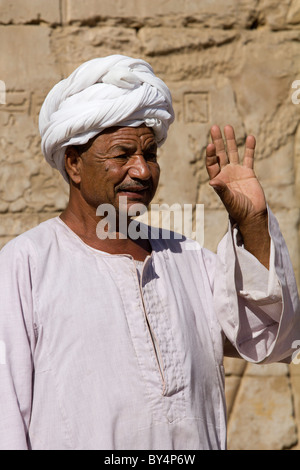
(28, 241)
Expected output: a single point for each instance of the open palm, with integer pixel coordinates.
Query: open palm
(235, 183)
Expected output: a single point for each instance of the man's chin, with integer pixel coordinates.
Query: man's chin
(133, 205)
(132, 209)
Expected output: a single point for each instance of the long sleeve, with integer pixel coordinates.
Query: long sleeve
(258, 309)
(17, 343)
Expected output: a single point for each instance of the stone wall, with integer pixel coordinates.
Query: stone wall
(225, 62)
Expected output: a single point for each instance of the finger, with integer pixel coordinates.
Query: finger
(249, 152)
(217, 139)
(212, 161)
(232, 149)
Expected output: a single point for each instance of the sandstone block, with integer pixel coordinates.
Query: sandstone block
(289, 221)
(263, 87)
(278, 170)
(19, 139)
(262, 417)
(234, 366)
(279, 197)
(15, 179)
(165, 40)
(47, 194)
(234, 371)
(215, 227)
(295, 383)
(33, 11)
(3, 206)
(295, 368)
(266, 370)
(198, 104)
(178, 184)
(297, 162)
(231, 388)
(213, 14)
(293, 15)
(26, 180)
(27, 71)
(276, 14)
(66, 44)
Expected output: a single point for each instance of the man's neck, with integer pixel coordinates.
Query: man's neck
(85, 227)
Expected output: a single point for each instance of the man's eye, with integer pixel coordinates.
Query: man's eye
(149, 157)
(121, 157)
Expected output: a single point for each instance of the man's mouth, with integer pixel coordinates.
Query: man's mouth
(137, 190)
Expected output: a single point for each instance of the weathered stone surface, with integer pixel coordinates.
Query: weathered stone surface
(33, 11)
(171, 40)
(293, 16)
(33, 67)
(275, 14)
(231, 390)
(234, 366)
(262, 416)
(216, 225)
(297, 163)
(67, 44)
(14, 180)
(234, 371)
(215, 14)
(289, 222)
(197, 106)
(47, 193)
(266, 370)
(295, 389)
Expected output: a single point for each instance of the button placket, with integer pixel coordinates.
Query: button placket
(174, 401)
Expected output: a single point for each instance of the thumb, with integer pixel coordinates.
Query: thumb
(223, 192)
(218, 185)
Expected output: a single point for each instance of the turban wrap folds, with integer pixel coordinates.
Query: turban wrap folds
(104, 92)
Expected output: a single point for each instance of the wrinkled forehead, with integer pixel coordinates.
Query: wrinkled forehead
(141, 136)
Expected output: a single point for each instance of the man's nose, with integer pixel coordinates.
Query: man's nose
(139, 168)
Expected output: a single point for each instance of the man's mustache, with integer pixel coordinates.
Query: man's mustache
(133, 186)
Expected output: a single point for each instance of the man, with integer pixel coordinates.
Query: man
(116, 342)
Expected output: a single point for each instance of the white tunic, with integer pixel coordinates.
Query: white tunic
(93, 359)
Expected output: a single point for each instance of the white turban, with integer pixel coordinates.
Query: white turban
(101, 93)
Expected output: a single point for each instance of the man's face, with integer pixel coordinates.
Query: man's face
(122, 161)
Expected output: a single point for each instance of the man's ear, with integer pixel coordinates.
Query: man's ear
(72, 164)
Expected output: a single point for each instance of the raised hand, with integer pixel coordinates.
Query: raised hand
(239, 189)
